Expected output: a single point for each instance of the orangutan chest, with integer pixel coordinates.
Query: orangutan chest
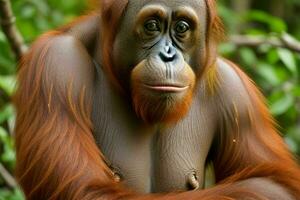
(148, 159)
(165, 162)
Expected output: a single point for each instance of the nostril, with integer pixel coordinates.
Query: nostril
(167, 57)
(168, 49)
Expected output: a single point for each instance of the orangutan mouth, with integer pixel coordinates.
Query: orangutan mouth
(167, 87)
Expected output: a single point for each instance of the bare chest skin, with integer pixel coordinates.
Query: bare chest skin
(152, 159)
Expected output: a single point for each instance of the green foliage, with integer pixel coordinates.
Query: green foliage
(275, 70)
(14, 194)
(36, 16)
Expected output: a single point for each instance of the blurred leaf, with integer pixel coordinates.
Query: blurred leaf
(282, 105)
(28, 11)
(3, 134)
(288, 59)
(6, 113)
(227, 48)
(268, 73)
(292, 144)
(296, 91)
(275, 24)
(6, 194)
(248, 56)
(8, 155)
(16, 195)
(272, 56)
(8, 83)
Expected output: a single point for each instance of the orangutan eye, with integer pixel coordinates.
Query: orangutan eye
(182, 27)
(152, 25)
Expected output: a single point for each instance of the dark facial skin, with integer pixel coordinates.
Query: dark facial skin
(159, 47)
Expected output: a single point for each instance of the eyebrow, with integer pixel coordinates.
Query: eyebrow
(151, 11)
(186, 12)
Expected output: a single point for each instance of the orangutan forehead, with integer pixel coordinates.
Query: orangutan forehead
(187, 9)
(197, 5)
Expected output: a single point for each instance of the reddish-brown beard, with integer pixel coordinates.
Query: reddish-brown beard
(155, 107)
(163, 108)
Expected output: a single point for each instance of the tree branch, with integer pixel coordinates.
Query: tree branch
(8, 178)
(285, 41)
(7, 22)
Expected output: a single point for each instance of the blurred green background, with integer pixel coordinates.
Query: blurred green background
(276, 70)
